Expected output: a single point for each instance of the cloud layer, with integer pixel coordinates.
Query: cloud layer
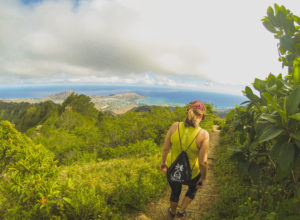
(216, 41)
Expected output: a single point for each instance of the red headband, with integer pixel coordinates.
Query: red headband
(197, 105)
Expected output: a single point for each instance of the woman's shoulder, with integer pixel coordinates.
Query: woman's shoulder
(175, 125)
(202, 135)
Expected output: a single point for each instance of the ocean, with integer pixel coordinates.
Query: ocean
(154, 95)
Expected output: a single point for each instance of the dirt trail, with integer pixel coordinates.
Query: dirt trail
(205, 197)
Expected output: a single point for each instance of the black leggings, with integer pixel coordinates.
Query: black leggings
(176, 189)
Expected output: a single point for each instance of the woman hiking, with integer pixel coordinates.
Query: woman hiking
(187, 136)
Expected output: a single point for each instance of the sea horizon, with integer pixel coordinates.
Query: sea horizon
(154, 95)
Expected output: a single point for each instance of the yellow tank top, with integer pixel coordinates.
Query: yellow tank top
(187, 134)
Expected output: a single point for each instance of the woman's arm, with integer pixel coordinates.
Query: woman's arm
(167, 146)
(202, 155)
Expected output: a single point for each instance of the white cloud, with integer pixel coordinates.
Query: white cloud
(118, 41)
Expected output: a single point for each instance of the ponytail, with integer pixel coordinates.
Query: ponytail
(194, 110)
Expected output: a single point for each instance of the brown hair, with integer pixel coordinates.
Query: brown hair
(193, 111)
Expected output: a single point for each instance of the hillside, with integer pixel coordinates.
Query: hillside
(81, 163)
(118, 103)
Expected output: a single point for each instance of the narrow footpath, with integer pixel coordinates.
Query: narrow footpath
(205, 197)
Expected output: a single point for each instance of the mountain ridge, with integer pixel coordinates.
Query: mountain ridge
(117, 103)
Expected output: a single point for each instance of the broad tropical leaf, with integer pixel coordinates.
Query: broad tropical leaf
(254, 171)
(250, 94)
(286, 156)
(238, 156)
(259, 84)
(270, 133)
(270, 12)
(296, 116)
(292, 101)
(296, 70)
(268, 25)
(275, 151)
(243, 168)
(270, 118)
(296, 136)
(270, 101)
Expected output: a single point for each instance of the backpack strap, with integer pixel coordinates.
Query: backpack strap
(190, 143)
(179, 136)
(193, 140)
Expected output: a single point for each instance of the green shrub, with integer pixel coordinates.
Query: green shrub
(108, 189)
(141, 149)
(27, 189)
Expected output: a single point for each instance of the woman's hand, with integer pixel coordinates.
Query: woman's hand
(163, 167)
(199, 183)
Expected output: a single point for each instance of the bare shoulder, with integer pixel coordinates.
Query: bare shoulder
(173, 127)
(202, 136)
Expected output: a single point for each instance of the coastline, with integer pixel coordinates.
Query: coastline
(120, 101)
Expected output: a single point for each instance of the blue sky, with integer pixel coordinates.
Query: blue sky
(32, 2)
(26, 2)
(211, 45)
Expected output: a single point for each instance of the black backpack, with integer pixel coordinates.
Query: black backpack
(180, 170)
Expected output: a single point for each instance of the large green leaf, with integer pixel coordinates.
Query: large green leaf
(238, 156)
(268, 25)
(259, 84)
(243, 168)
(270, 118)
(287, 43)
(252, 145)
(296, 116)
(250, 94)
(280, 17)
(261, 126)
(296, 19)
(270, 133)
(296, 136)
(286, 156)
(275, 151)
(270, 12)
(296, 70)
(277, 8)
(292, 101)
(254, 171)
(272, 102)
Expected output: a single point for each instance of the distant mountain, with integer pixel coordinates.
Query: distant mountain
(61, 95)
(222, 112)
(56, 98)
(117, 103)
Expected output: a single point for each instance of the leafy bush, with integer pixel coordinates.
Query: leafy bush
(27, 189)
(25, 115)
(140, 149)
(265, 133)
(108, 189)
(232, 190)
(31, 189)
(93, 166)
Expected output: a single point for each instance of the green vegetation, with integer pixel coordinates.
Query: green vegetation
(27, 187)
(80, 163)
(25, 115)
(74, 162)
(263, 137)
